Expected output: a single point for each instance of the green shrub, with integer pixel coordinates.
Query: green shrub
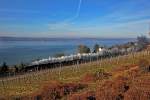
(83, 49)
(59, 54)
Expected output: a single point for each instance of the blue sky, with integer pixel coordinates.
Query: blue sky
(74, 18)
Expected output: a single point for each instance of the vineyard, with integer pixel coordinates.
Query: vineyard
(86, 80)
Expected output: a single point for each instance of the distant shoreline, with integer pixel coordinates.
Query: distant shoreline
(51, 39)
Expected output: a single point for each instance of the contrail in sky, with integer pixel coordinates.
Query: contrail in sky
(77, 13)
(78, 10)
(65, 21)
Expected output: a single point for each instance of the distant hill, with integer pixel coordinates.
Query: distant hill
(47, 39)
(25, 39)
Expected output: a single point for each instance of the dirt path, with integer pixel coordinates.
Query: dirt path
(122, 72)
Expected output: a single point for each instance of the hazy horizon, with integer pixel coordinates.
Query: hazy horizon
(46, 38)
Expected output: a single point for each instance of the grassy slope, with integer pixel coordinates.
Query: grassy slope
(30, 83)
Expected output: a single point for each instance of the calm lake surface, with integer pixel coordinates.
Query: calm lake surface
(14, 52)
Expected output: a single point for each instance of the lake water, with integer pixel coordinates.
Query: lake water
(14, 52)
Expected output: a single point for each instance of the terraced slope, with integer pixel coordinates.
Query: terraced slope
(100, 73)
